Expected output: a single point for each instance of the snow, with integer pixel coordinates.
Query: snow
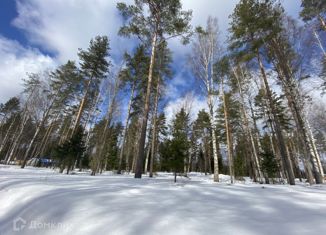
(42, 201)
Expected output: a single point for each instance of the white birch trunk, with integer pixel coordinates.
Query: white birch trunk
(314, 151)
(17, 139)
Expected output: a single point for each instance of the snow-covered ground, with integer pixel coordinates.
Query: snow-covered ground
(42, 201)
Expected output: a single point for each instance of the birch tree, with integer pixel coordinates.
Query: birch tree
(205, 50)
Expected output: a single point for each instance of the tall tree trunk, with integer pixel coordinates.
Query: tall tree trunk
(141, 146)
(214, 138)
(92, 113)
(228, 134)
(38, 129)
(154, 134)
(128, 159)
(148, 144)
(295, 151)
(2, 122)
(278, 130)
(17, 138)
(293, 156)
(322, 22)
(81, 107)
(206, 158)
(257, 171)
(67, 128)
(135, 147)
(46, 137)
(256, 136)
(4, 141)
(105, 134)
(125, 129)
(148, 153)
(276, 152)
(211, 106)
(293, 97)
(319, 43)
(315, 154)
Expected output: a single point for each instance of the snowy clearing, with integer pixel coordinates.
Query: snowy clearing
(42, 201)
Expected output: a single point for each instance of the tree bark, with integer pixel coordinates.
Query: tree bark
(140, 158)
(102, 142)
(214, 138)
(4, 141)
(278, 130)
(228, 134)
(322, 22)
(293, 97)
(81, 108)
(257, 171)
(315, 154)
(46, 138)
(319, 43)
(124, 138)
(154, 134)
(17, 138)
(38, 129)
(148, 152)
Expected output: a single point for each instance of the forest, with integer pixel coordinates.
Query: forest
(262, 118)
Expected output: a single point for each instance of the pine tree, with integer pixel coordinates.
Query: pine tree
(229, 108)
(94, 68)
(269, 162)
(178, 146)
(202, 139)
(255, 23)
(112, 148)
(100, 155)
(287, 61)
(61, 85)
(163, 20)
(313, 9)
(68, 153)
(162, 72)
(132, 77)
(10, 112)
(9, 108)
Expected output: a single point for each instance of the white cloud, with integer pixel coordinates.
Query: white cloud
(16, 61)
(203, 9)
(63, 26)
(192, 103)
(200, 12)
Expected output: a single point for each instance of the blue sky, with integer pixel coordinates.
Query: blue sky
(39, 34)
(8, 13)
